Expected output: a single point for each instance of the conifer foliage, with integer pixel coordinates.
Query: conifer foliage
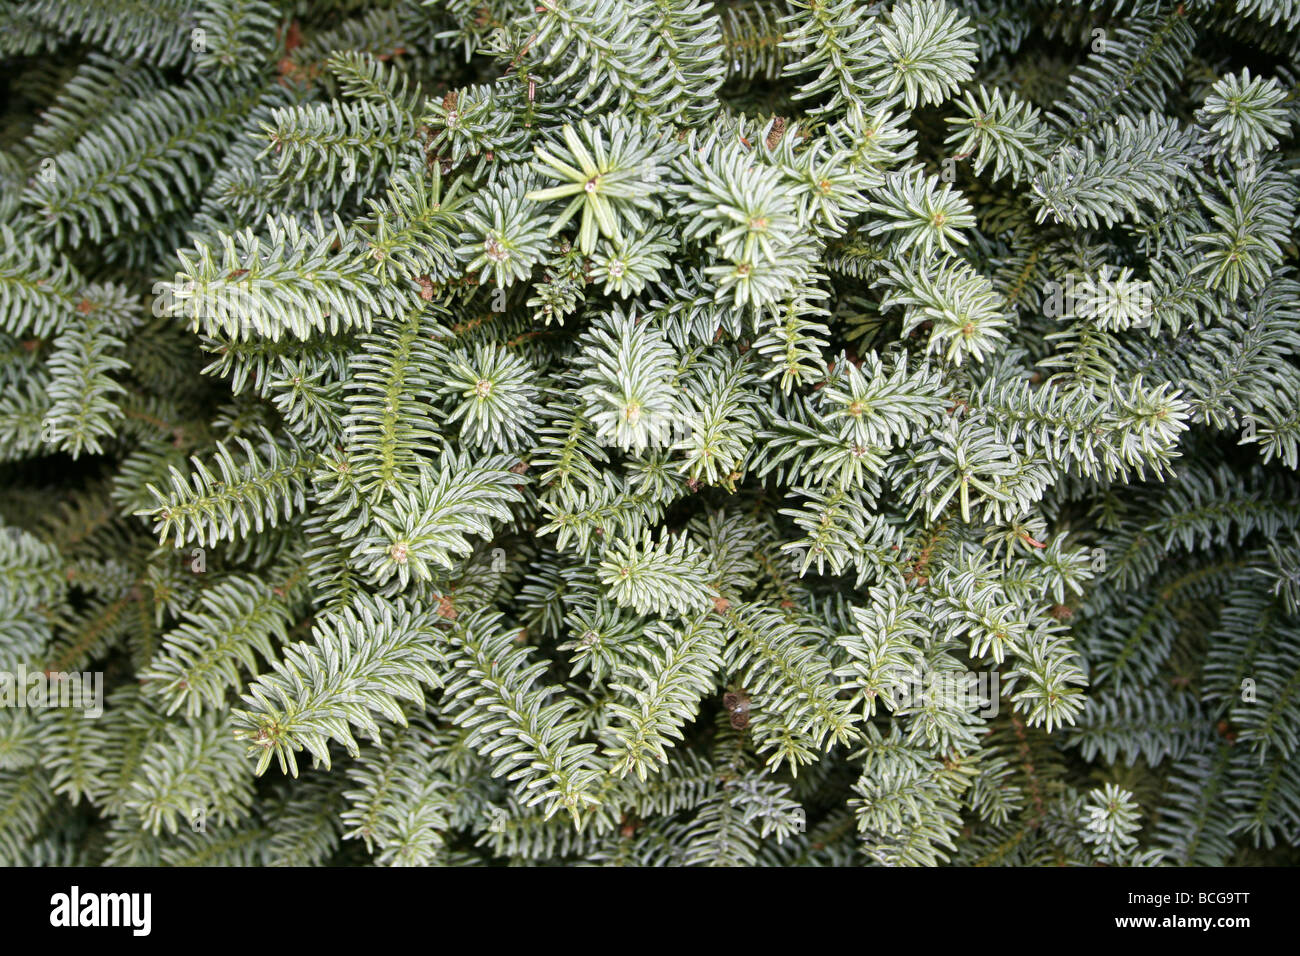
(649, 432)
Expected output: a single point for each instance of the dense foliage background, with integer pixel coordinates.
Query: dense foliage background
(649, 432)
